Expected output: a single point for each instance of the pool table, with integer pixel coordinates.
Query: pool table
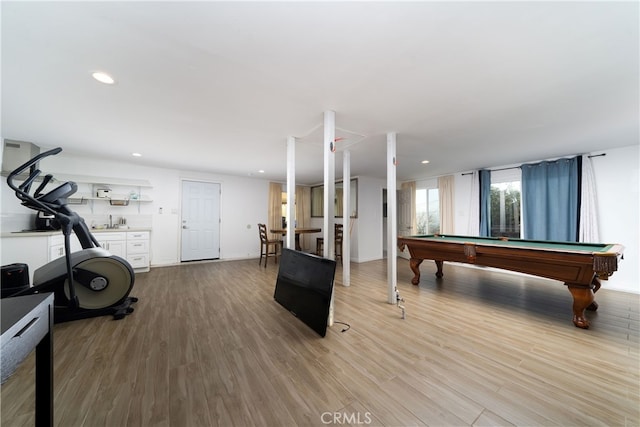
(580, 266)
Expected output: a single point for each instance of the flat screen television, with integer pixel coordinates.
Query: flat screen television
(304, 286)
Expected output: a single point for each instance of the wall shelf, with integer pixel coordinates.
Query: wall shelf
(103, 181)
(122, 192)
(77, 201)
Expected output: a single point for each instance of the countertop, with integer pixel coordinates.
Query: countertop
(56, 232)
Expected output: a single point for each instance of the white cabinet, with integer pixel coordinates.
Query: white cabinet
(114, 242)
(130, 245)
(138, 250)
(37, 249)
(56, 246)
(56, 251)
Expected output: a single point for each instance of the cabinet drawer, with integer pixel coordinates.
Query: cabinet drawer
(138, 261)
(138, 235)
(137, 247)
(110, 236)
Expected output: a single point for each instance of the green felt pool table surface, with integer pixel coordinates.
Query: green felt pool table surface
(540, 244)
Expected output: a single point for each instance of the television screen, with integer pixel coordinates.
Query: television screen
(304, 287)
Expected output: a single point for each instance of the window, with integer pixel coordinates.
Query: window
(317, 200)
(505, 203)
(427, 210)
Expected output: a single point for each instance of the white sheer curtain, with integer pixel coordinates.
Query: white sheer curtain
(303, 214)
(588, 204)
(317, 203)
(445, 191)
(473, 229)
(411, 187)
(275, 208)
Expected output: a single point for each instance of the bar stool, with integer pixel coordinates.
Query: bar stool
(266, 245)
(338, 242)
(338, 236)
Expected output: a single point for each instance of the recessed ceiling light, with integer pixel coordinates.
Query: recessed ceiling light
(424, 162)
(103, 77)
(136, 154)
(261, 171)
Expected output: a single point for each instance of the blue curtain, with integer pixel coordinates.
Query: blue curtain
(550, 200)
(485, 202)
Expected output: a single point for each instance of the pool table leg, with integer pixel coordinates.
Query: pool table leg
(582, 299)
(596, 285)
(414, 263)
(439, 273)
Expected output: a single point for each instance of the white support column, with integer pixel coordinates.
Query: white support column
(392, 223)
(291, 192)
(329, 191)
(329, 182)
(346, 218)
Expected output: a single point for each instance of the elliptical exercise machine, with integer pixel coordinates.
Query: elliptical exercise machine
(88, 283)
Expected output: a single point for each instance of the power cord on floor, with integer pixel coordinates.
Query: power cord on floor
(400, 303)
(348, 326)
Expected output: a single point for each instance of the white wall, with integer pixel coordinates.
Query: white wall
(617, 183)
(243, 205)
(368, 230)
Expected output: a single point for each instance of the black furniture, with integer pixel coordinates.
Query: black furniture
(27, 324)
(304, 287)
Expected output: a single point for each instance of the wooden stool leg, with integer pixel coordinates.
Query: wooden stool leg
(261, 252)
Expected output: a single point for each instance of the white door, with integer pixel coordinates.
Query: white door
(200, 220)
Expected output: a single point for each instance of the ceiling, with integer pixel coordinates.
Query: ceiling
(219, 86)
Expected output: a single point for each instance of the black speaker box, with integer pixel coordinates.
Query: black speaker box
(15, 278)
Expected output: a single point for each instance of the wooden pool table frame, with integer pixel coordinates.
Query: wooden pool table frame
(581, 270)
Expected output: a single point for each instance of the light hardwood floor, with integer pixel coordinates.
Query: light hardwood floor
(208, 345)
